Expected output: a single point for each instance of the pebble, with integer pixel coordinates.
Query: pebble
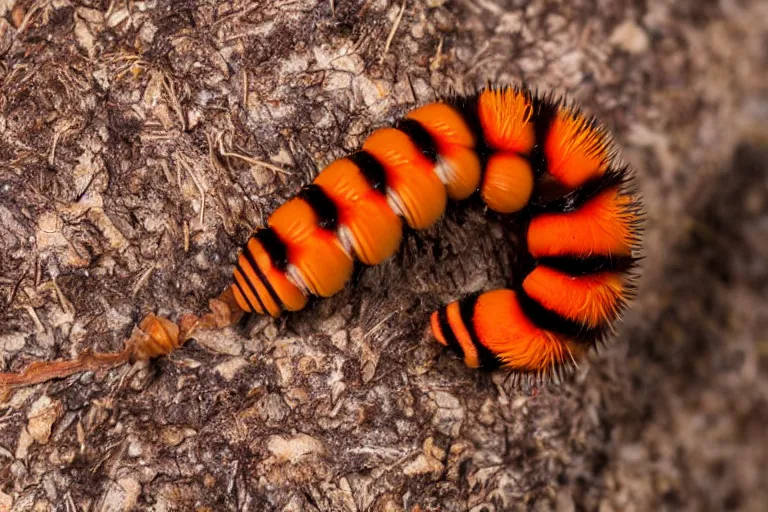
(229, 368)
(293, 449)
(43, 413)
(426, 462)
(630, 37)
(135, 449)
(174, 435)
(5, 501)
(449, 416)
(12, 342)
(120, 496)
(221, 342)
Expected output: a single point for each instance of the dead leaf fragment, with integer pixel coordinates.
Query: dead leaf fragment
(175, 435)
(293, 449)
(120, 496)
(228, 369)
(427, 462)
(42, 415)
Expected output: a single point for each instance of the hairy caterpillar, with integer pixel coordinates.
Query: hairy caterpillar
(527, 155)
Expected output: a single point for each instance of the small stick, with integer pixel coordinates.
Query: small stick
(391, 36)
(143, 279)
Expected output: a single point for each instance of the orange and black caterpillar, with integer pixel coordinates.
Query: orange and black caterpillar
(532, 156)
(527, 155)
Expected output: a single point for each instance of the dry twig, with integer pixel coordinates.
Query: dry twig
(391, 35)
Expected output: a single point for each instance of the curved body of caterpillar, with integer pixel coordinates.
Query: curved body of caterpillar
(530, 156)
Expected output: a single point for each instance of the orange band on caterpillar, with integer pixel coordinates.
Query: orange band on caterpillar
(525, 155)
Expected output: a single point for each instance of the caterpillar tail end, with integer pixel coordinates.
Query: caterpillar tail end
(224, 311)
(154, 336)
(157, 336)
(40, 372)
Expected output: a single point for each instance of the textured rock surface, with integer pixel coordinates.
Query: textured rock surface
(130, 140)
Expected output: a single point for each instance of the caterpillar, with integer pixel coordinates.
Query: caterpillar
(532, 157)
(528, 155)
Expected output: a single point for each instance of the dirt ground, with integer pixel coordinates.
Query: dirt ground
(142, 141)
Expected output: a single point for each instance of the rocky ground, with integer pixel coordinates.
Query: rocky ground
(142, 141)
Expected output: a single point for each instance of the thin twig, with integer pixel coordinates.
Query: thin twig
(241, 35)
(35, 318)
(28, 17)
(250, 160)
(170, 89)
(111, 6)
(66, 305)
(254, 161)
(143, 279)
(380, 323)
(437, 60)
(391, 36)
(56, 134)
(185, 229)
(199, 186)
(214, 161)
(245, 88)
(235, 15)
(15, 288)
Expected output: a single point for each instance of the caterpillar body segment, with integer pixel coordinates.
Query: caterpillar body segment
(367, 225)
(521, 153)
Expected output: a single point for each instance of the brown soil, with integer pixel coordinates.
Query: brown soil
(130, 140)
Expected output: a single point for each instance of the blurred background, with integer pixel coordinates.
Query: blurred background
(142, 141)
